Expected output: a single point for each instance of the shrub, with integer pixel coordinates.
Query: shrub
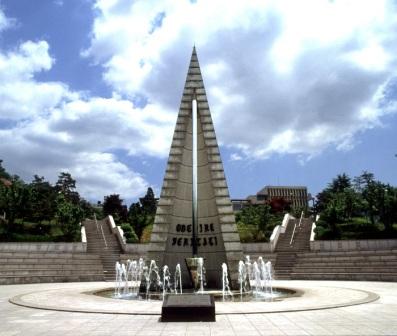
(129, 233)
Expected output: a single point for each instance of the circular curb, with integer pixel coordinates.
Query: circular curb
(224, 308)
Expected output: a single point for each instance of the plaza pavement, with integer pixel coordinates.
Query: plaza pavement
(378, 317)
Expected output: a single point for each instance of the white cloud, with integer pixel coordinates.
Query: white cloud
(54, 129)
(5, 22)
(282, 77)
(235, 157)
(58, 3)
(20, 95)
(92, 168)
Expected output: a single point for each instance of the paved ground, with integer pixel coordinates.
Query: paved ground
(376, 318)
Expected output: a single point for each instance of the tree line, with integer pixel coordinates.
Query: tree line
(40, 211)
(137, 220)
(362, 207)
(358, 208)
(255, 223)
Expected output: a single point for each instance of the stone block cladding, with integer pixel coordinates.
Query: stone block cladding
(218, 240)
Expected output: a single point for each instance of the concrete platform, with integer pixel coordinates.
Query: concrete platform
(373, 312)
(79, 298)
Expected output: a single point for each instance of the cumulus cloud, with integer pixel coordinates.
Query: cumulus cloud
(299, 76)
(21, 96)
(280, 79)
(46, 128)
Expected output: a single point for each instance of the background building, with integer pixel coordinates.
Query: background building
(297, 195)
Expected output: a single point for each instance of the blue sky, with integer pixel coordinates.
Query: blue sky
(297, 95)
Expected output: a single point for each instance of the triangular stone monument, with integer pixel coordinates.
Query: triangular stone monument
(217, 238)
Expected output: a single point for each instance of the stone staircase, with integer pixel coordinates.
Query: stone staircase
(379, 265)
(101, 241)
(287, 248)
(20, 267)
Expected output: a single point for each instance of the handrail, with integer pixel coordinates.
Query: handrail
(293, 233)
(96, 223)
(300, 220)
(103, 235)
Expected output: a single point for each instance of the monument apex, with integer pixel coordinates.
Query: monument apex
(217, 239)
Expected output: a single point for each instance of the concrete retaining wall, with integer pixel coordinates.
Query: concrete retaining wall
(255, 248)
(136, 249)
(353, 245)
(43, 247)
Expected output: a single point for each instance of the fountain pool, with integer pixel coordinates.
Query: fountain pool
(234, 296)
(135, 281)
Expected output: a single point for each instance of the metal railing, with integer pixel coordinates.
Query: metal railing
(103, 235)
(293, 232)
(300, 220)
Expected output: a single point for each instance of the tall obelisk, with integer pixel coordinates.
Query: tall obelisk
(217, 237)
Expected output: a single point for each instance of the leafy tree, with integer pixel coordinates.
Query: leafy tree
(129, 233)
(42, 200)
(137, 218)
(148, 202)
(341, 183)
(113, 205)
(13, 201)
(279, 204)
(87, 208)
(343, 205)
(258, 216)
(141, 214)
(388, 210)
(3, 173)
(66, 185)
(69, 216)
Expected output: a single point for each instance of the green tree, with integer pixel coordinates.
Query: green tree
(14, 197)
(87, 208)
(113, 205)
(388, 209)
(148, 202)
(141, 214)
(361, 209)
(42, 200)
(3, 173)
(332, 215)
(259, 217)
(341, 183)
(137, 218)
(69, 217)
(66, 185)
(129, 233)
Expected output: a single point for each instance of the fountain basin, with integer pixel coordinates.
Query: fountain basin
(279, 293)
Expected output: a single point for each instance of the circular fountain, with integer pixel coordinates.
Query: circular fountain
(136, 281)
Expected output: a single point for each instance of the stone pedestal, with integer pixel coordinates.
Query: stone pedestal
(188, 308)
